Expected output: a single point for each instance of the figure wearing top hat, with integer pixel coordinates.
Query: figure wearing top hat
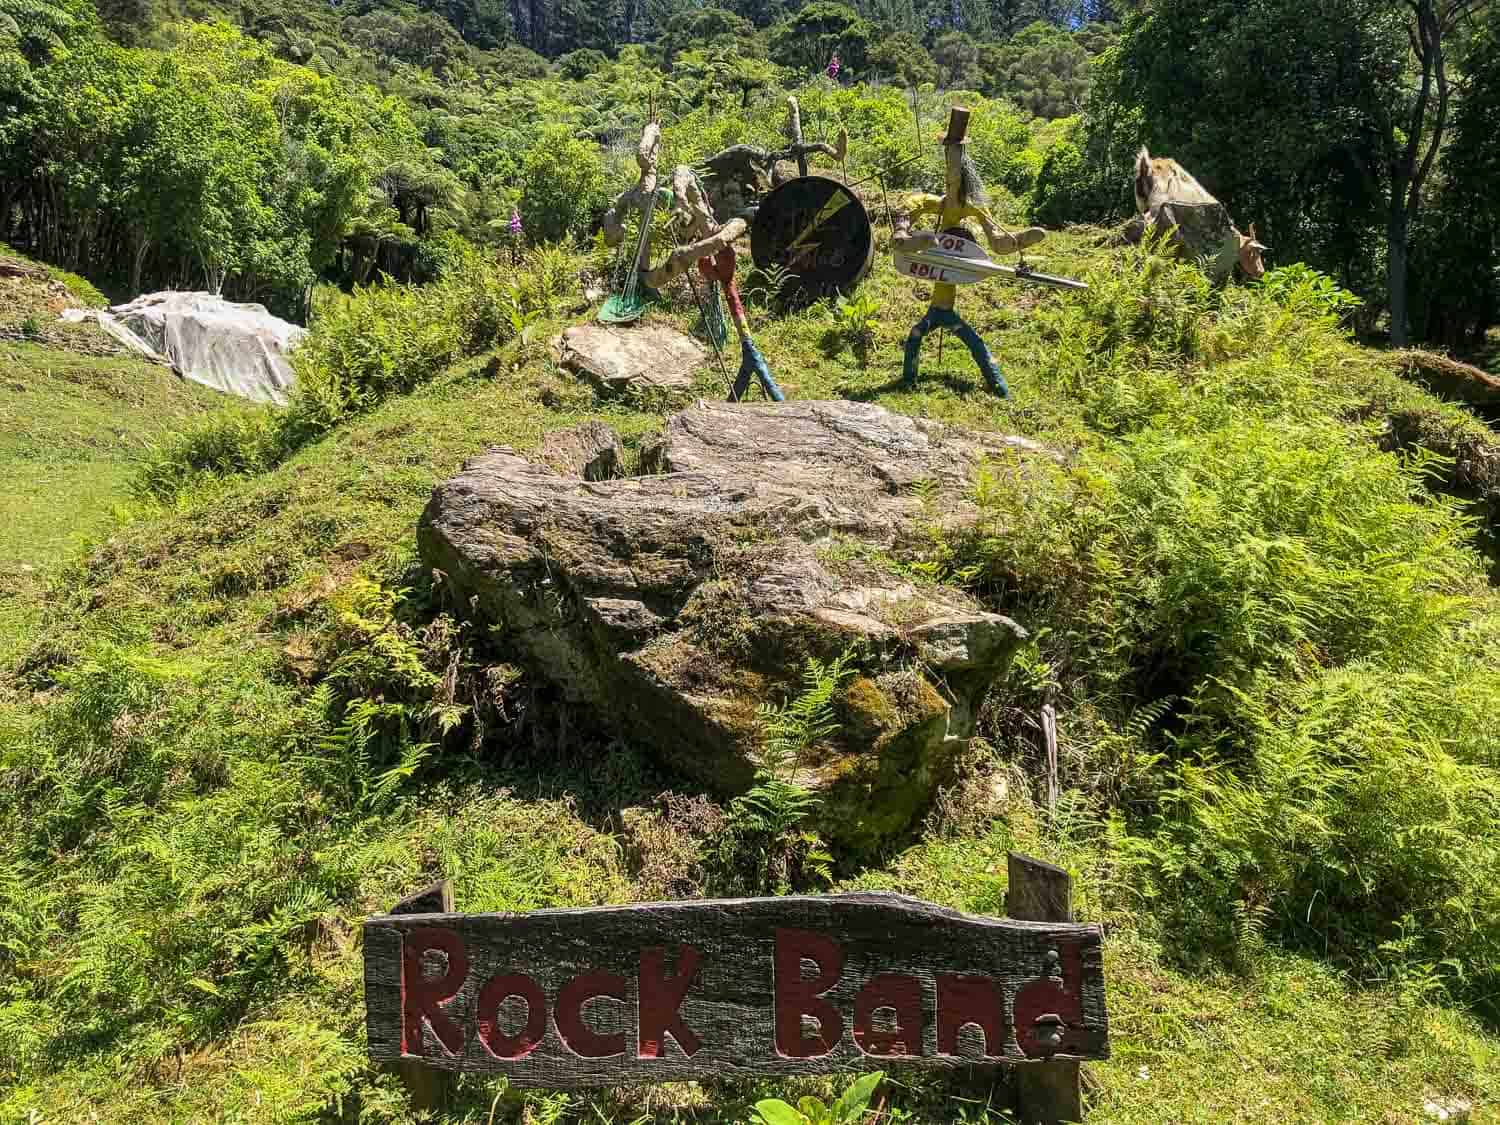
(962, 201)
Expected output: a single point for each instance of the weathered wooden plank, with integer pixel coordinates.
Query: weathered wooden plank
(426, 1089)
(669, 991)
(1037, 891)
(1048, 1092)
(434, 899)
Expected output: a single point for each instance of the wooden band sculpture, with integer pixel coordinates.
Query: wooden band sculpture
(740, 175)
(949, 257)
(708, 244)
(1174, 206)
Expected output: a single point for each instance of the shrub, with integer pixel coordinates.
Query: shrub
(1306, 630)
(564, 185)
(1076, 184)
(1309, 292)
(232, 440)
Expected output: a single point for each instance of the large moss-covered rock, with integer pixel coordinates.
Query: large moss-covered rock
(673, 604)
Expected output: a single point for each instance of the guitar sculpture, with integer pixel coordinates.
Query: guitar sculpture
(950, 257)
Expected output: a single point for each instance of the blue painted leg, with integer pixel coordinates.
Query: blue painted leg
(914, 340)
(948, 318)
(982, 358)
(751, 354)
(752, 363)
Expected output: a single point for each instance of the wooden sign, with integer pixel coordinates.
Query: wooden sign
(728, 988)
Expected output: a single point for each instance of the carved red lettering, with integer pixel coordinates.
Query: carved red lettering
(965, 1000)
(576, 1034)
(903, 995)
(420, 995)
(1058, 993)
(796, 997)
(660, 998)
(487, 1016)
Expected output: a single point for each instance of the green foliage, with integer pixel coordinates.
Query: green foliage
(1320, 158)
(819, 30)
(849, 1109)
(236, 439)
(379, 341)
(1044, 69)
(902, 57)
(580, 64)
(855, 320)
(765, 286)
(1086, 175)
(792, 727)
(1240, 553)
(564, 186)
(767, 822)
(1305, 290)
(34, 30)
(1456, 247)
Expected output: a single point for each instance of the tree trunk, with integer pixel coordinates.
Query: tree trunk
(1396, 258)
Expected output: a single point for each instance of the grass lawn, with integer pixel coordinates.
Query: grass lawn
(71, 427)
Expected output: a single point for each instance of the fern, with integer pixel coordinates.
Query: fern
(773, 812)
(791, 727)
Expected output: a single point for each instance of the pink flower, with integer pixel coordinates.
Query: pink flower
(833, 67)
(515, 223)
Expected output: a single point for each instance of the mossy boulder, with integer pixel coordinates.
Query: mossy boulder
(674, 604)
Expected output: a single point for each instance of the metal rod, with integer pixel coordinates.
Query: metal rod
(718, 355)
(916, 111)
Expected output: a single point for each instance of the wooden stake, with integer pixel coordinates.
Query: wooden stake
(794, 131)
(427, 1089)
(1049, 1092)
(1049, 735)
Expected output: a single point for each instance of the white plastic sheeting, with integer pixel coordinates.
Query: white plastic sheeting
(239, 349)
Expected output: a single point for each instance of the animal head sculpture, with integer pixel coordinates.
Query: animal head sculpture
(1251, 264)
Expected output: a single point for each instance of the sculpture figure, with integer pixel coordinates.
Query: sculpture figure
(1169, 201)
(739, 175)
(705, 243)
(628, 303)
(963, 200)
(710, 245)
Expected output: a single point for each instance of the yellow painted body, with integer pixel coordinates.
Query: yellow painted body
(953, 214)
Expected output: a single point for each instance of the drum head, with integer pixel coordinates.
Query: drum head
(818, 230)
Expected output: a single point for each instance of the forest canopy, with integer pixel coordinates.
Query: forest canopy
(271, 145)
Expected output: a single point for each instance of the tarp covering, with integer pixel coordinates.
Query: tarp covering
(239, 349)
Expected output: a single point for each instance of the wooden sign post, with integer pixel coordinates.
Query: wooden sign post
(566, 999)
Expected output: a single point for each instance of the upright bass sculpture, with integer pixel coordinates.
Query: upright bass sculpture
(706, 243)
(710, 245)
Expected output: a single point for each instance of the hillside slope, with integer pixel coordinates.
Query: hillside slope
(244, 720)
(74, 417)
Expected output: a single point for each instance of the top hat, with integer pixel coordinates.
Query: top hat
(958, 126)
